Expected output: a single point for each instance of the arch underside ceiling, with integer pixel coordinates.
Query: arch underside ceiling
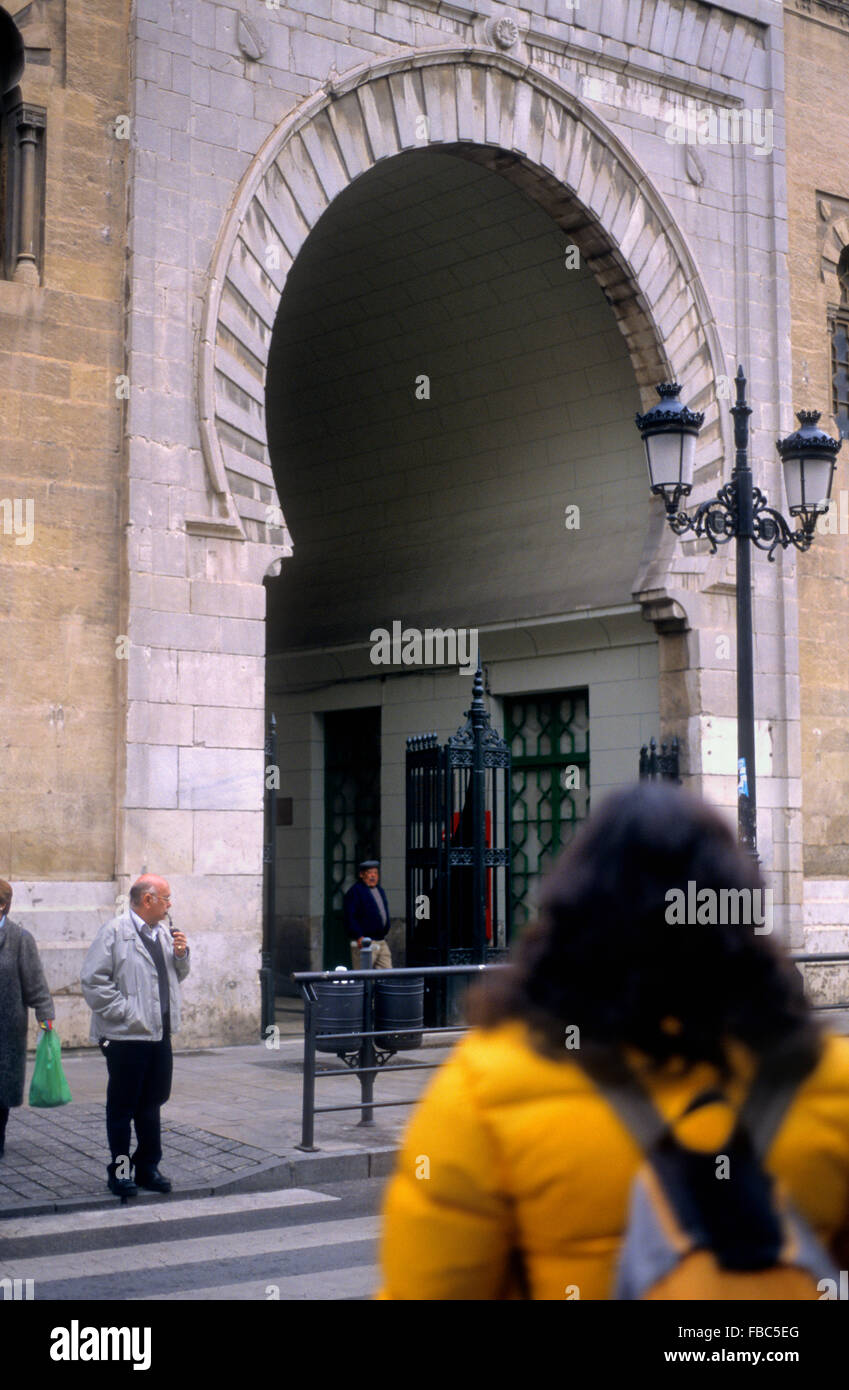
(482, 107)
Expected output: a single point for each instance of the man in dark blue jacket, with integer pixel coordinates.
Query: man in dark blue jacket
(367, 914)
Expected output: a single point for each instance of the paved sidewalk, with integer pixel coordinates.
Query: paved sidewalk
(232, 1124)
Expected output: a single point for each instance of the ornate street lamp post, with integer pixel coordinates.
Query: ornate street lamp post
(739, 511)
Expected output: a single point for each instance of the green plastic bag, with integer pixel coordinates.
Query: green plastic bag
(48, 1085)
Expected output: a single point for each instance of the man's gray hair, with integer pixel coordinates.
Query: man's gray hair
(138, 890)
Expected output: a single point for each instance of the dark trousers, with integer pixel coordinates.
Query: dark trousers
(4, 1115)
(139, 1083)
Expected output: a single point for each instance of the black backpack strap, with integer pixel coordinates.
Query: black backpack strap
(608, 1069)
(779, 1076)
(712, 1096)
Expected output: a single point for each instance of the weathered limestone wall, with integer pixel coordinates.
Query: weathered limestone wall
(689, 243)
(818, 195)
(818, 188)
(61, 431)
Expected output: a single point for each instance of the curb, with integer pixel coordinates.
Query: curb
(262, 1177)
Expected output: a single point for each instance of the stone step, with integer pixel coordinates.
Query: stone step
(827, 986)
(826, 913)
(826, 939)
(45, 896)
(825, 904)
(819, 890)
(64, 918)
(64, 914)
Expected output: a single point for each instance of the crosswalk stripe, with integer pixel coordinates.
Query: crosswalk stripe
(191, 1250)
(357, 1281)
(117, 1217)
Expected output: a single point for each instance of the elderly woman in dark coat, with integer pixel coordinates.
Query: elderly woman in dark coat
(22, 987)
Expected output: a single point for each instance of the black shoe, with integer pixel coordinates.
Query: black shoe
(152, 1180)
(122, 1187)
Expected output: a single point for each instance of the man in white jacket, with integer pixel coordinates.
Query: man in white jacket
(131, 982)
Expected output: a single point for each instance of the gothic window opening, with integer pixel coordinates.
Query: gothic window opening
(23, 166)
(839, 330)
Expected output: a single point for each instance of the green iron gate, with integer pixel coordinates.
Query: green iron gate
(549, 739)
(351, 815)
(457, 851)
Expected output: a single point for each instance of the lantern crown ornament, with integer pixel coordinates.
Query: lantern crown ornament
(808, 456)
(669, 432)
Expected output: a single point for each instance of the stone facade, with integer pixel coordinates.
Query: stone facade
(62, 406)
(818, 196)
(818, 188)
(248, 122)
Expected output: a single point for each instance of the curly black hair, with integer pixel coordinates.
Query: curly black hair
(603, 954)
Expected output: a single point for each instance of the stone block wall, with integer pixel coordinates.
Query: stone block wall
(818, 188)
(158, 518)
(215, 81)
(61, 427)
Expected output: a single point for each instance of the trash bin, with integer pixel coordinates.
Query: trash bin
(399, 1002)
(341, 1005)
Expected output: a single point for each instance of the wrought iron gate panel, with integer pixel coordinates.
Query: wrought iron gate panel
(427, 922)
(662, 765)
(548, 734)
(457, 855)
(351, 815)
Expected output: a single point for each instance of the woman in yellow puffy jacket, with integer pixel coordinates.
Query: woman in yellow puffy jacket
(515, 1173)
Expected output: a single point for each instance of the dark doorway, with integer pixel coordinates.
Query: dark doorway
(351, 815)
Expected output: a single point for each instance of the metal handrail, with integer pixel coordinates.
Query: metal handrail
(823, 958)
(366, 1053)
(309, 976)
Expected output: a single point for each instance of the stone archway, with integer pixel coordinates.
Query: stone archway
(489, 108)
(486, 107)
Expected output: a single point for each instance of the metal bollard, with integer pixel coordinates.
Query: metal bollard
(367, 1054)
(308, 1116)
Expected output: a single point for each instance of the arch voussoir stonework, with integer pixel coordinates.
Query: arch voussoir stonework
(478, 105)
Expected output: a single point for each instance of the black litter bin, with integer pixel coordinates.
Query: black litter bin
(399, 1003)
(341, 1005)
